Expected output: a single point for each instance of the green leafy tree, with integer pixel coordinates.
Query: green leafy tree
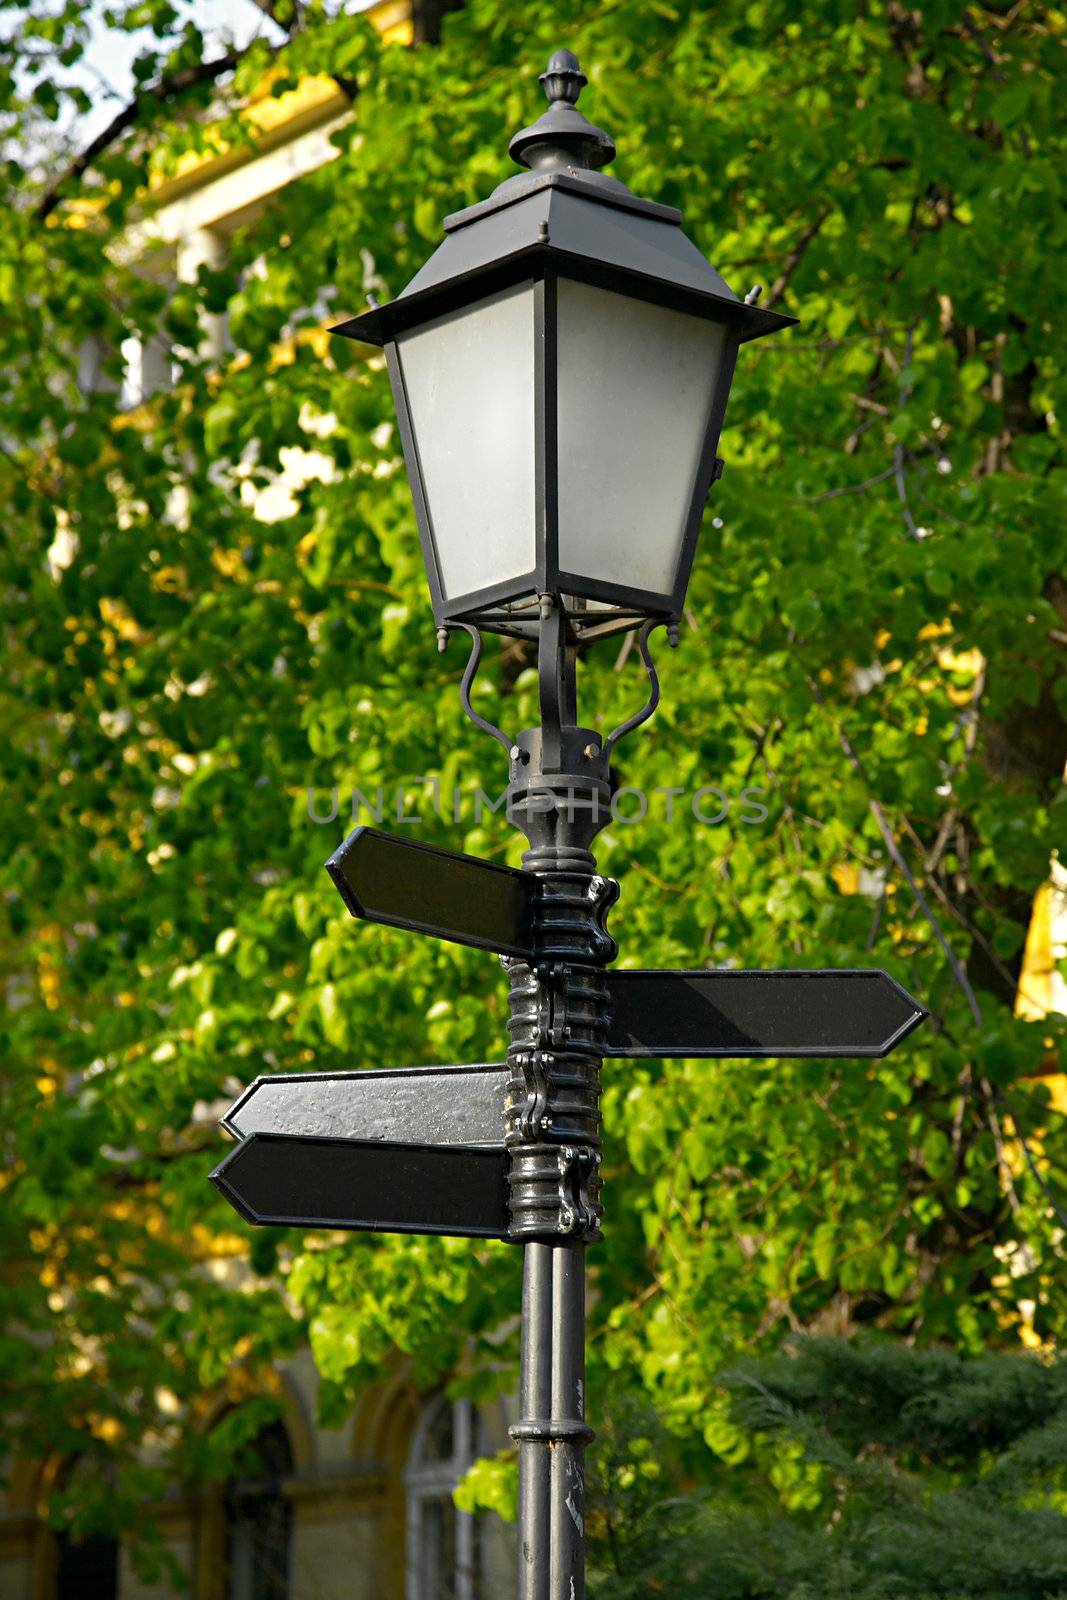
(871, 1470)
(874, 637)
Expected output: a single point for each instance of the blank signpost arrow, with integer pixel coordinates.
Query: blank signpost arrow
(405, 1150)
(421, 1149)
(405, 884)
(367, 1185)
(417, 1105)
(853, 1012)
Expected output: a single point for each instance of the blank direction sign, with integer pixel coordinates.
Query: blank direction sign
(405, 884)
(274, 1179)
(417, 1105)
(751, 1014)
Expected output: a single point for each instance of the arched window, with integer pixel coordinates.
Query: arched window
(445, 1558)
(259, 1520)
(86, 1568)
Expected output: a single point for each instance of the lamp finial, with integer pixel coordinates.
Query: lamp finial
(563, 80)
(562, 138)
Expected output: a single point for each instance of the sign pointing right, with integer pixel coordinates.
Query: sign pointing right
(853, 1012)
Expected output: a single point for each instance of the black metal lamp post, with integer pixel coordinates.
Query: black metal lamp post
(560, 368)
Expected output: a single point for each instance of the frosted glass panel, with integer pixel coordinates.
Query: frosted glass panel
(635, 389)
(470, 384)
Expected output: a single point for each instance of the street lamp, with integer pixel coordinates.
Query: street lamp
(560, 368)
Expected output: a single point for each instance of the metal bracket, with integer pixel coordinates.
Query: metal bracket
(533, 1118)
(556, 684)
(653, 677)
(577, 1166)
(553, 1030)
(468, 679)
(559, 1028)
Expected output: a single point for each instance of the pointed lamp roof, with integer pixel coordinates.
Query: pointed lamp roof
(564, 212)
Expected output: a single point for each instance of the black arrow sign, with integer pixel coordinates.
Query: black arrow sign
(367, 1185)
(416, 886)
(748, 1014)
(418, 1105)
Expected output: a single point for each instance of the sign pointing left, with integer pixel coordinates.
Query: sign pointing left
(405, 884)
(414, 1105)
(366, 1185)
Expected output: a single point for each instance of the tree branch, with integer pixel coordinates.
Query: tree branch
(971, 27)
(1035, 1171)
(427, 17)
(898, 448)
(794, 258)
(270, 8)
(166, 88)
(955, 965)
(990, 1094)
(847, 488)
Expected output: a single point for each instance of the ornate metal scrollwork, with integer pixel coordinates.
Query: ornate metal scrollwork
(653, 678)
(468, 679)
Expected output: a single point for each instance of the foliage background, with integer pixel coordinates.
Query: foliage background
(875, 635)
